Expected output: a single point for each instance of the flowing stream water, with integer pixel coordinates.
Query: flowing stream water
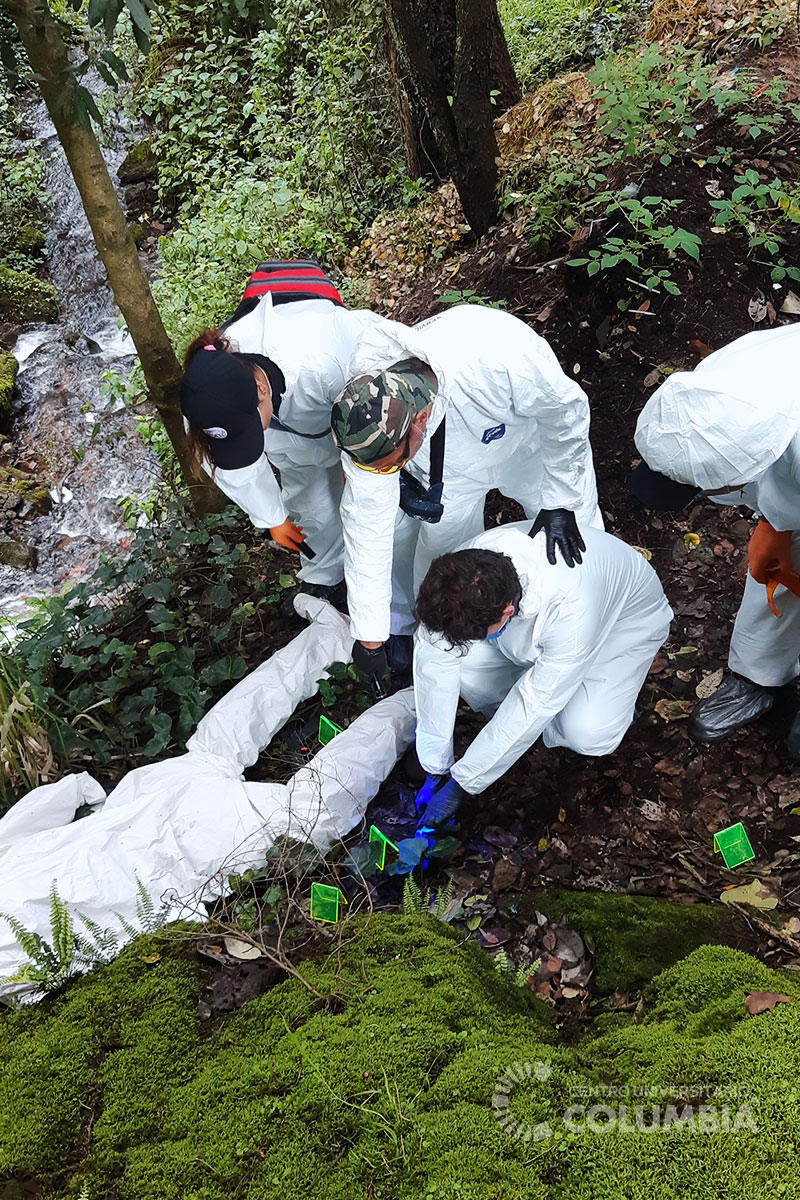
(82, 444)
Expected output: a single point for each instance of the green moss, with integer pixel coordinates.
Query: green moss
(138, 164)
(8, 371)
(635, 937)
(25, 298)
(17, 554)
(18, 490)
(382, 1085)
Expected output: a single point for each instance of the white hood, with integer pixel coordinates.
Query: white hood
(729, 420)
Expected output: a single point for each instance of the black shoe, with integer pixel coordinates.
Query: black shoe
(736, 702)
(334, 593)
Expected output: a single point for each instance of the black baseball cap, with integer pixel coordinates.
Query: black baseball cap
(219, 396)
(658, 491)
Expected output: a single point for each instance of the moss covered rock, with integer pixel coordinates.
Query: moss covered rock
(27, 496)
(25, 298)
(138, 164)
(633, 938)
(17, 554)
(8, 372)
(29, 239)
(412, 1070)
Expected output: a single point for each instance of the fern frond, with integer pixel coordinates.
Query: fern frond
(500, 961)
(413, 902)
(524, 973)
(61, 930)
(443, 898)
(33, 945)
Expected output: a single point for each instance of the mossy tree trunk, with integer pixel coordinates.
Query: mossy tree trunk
(49, 60)
(454, 56)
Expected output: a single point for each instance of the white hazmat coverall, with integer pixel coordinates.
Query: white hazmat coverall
(311, 341)
(569, 665)
(735, 420)
(515, 422)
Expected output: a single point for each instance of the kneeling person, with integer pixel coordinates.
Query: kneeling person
(536, 648)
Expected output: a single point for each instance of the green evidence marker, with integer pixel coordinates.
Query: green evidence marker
(734, 845)
(325, 901)
(375, 835)
(327, 731)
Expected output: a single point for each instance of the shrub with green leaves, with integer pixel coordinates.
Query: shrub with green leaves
(128, 662)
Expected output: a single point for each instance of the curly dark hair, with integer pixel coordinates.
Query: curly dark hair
(464, 593)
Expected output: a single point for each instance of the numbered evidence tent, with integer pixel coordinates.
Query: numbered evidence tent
(179, 827)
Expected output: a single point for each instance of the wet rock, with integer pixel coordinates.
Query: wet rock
(24, 297)
(18, 554)
(23, 494)
(8, 371)
(139, 163)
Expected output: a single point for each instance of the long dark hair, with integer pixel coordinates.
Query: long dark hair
(198, 439)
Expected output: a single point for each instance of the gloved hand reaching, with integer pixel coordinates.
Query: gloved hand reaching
(437, 800)
(769, 554)
(561, 529)
(372, 666)
(287, 535)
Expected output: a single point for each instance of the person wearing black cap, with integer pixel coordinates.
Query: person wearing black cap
(258, 395)
(730, 429)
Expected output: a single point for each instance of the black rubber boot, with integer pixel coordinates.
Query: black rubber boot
(793, 740)
(335, 594)
(736, 702)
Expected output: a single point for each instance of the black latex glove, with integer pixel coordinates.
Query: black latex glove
(438, 798)
(372, 667)
(561, 529)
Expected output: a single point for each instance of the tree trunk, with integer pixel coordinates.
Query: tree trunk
(455, 54)
(49, 60)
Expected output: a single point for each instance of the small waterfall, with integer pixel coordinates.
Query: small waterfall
(83, 444)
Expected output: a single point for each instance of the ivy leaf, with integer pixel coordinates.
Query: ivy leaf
(161, 589)
(286, 581)
(232, 666)
(162, 728)
(220, 595)
(364, 860)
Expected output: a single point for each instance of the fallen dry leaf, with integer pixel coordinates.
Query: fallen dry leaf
(648, 554)
(709, 684)
(755, 893)
(759, 1002)
(714, 188)
(241, 950)
(673, 710)
(757, 308)
(791, 305)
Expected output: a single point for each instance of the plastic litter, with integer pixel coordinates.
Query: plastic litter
(179, 827)
(734, 845)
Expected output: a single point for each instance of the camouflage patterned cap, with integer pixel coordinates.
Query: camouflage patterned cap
(373, 415)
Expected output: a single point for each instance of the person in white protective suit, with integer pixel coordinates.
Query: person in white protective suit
(731, 429)
(539, 650)
(258, 394)
(434, 417)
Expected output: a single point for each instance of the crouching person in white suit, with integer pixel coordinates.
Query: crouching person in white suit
(540, 650)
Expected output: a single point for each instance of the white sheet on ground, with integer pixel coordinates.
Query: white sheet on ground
(181, 826)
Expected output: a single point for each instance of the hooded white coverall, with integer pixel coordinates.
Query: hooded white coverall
(733, 421)
(311, 341)
(569, 665)
(515, 422)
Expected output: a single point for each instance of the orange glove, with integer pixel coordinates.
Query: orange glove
(770, 559)
(287, 535)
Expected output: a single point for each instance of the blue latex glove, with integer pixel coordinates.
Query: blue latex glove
(560, 529)
(438, 799)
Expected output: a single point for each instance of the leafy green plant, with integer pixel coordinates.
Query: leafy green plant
(126, 663)
(765, 210)
(521, 975)
(639, 253)
(468, 296)
(26, 753)
(417, 900)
